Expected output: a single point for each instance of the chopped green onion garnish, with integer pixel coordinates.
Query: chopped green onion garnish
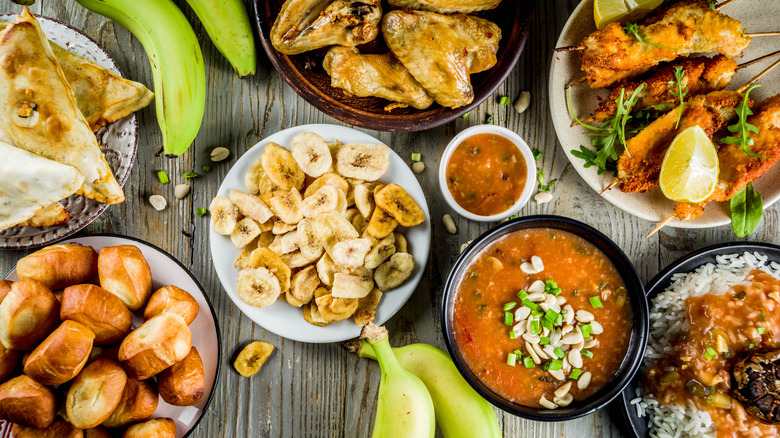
(530, 304)
(558, 352)
(546, 366)
(740, 295)
(761, 330)
(549, 284)
(513, 335)
(489, 118)
(511, 359)
(710, 354)
(163, 177)
(518, 353)
(556, 364)
(751, 346)
(537, 314)
(544, 340)
(528, 362)
(586, 330)
(535, 329)
(207, 168)
(546, 323)
(190, 175)
(522, 295)
(514, 216)
(509, 318)
(510, 305)
(201, 211)
(466, 116)
(504, 100)
(551, 315)
(595, 302)
(575, 373)
(587, 353)
(559, 319)
(416, 156)
(537, 154)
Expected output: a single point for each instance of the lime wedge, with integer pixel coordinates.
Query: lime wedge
(689, 171)
(608, 11)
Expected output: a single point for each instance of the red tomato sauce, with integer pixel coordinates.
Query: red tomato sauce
(580, 270)
(486, 174)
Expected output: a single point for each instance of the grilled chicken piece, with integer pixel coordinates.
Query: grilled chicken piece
(445, 6)
(304, 25)
(441, 51)
(375, 75)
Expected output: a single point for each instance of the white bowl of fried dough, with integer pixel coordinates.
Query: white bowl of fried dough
(313, 255)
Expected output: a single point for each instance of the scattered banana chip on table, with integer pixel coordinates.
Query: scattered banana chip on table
(317, 230)
(252, 357)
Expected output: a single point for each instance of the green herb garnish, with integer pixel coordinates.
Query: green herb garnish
(633, 29)
(465, 116)
(746, 207)
(510, 305)
(555, 364)
(509, 318)
(489, 119)
(540, 178)
(595, 302)
(587, 353)
(559, 353)
(201, 211)
(544, 340)
(537, 153)
(761, 330)
(682, 90)
(504, 101)
(163, 177)
(511, 359)
(743, 127)
(206, 168)
(575, 373)
(190, 175)
(710, 354)
(528, 362)
(416, 156)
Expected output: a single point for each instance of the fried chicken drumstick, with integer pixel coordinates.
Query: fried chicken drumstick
(685, 28)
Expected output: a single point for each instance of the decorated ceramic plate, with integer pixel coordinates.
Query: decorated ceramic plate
(166, 271)
(755, 16)
(117, 140)
(284, 319)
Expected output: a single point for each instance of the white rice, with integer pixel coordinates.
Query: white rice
(667, 319)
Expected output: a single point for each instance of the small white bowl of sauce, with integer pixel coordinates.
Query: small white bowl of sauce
(487, 173)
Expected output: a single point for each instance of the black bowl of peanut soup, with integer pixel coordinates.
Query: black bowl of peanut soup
(545, 317)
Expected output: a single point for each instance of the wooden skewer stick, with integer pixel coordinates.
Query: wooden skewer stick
(720, 5)
(612, 184)
(578, 81)
(757, 60)
(569, 49)
(661, 225)
(761, 34)
(759, 76)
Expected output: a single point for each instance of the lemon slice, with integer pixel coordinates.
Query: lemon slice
(689, 171)
(608, 11)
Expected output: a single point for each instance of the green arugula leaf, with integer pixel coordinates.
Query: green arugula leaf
(746, 207)
(743, 127)
(24, 2)
(712, 4)
(682, 90)
(633, 29)
(589, 157)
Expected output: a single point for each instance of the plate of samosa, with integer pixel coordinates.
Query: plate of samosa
(394, 65)
(68, 135)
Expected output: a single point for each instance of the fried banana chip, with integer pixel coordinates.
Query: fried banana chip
(394, 272)
(251, 206)
(265, 258)
(280, 166)
(308, 242)
(397, 202)
(401, 245)
(312, 315)
(224, 214)
(266, 196)
(258, 287)
(334, 309)
(285, 243)
(303, 285)
(381, 224)
(356, 284)
(366, 161)
(342, 204)
(254, 175)
(351, 253)
(243, 256)
(252, 357)
(380, 252)
(351, 213)
(312, 153)
(360, 223)
(296, 260)
(324, 200)
(244, 233)
(326, 269)
(281, 227)
(332, 228)
(288, 207)
(366, 311)
(330, 179)
(364, 200)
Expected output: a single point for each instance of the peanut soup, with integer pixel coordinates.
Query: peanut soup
(542, 317)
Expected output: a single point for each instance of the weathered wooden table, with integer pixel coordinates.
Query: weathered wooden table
(321, 390)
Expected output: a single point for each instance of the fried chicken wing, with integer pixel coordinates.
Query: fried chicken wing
(737, 168)
(445, 6)
(382, 76)
(612, 54)
(441, 51)
(304, 25)
(640, 165)
(702, 75)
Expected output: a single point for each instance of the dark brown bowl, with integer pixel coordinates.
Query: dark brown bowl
(313, 84)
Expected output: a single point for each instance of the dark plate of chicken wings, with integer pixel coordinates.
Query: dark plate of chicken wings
(418, 63)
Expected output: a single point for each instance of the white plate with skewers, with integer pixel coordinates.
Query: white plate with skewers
(758, 16)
